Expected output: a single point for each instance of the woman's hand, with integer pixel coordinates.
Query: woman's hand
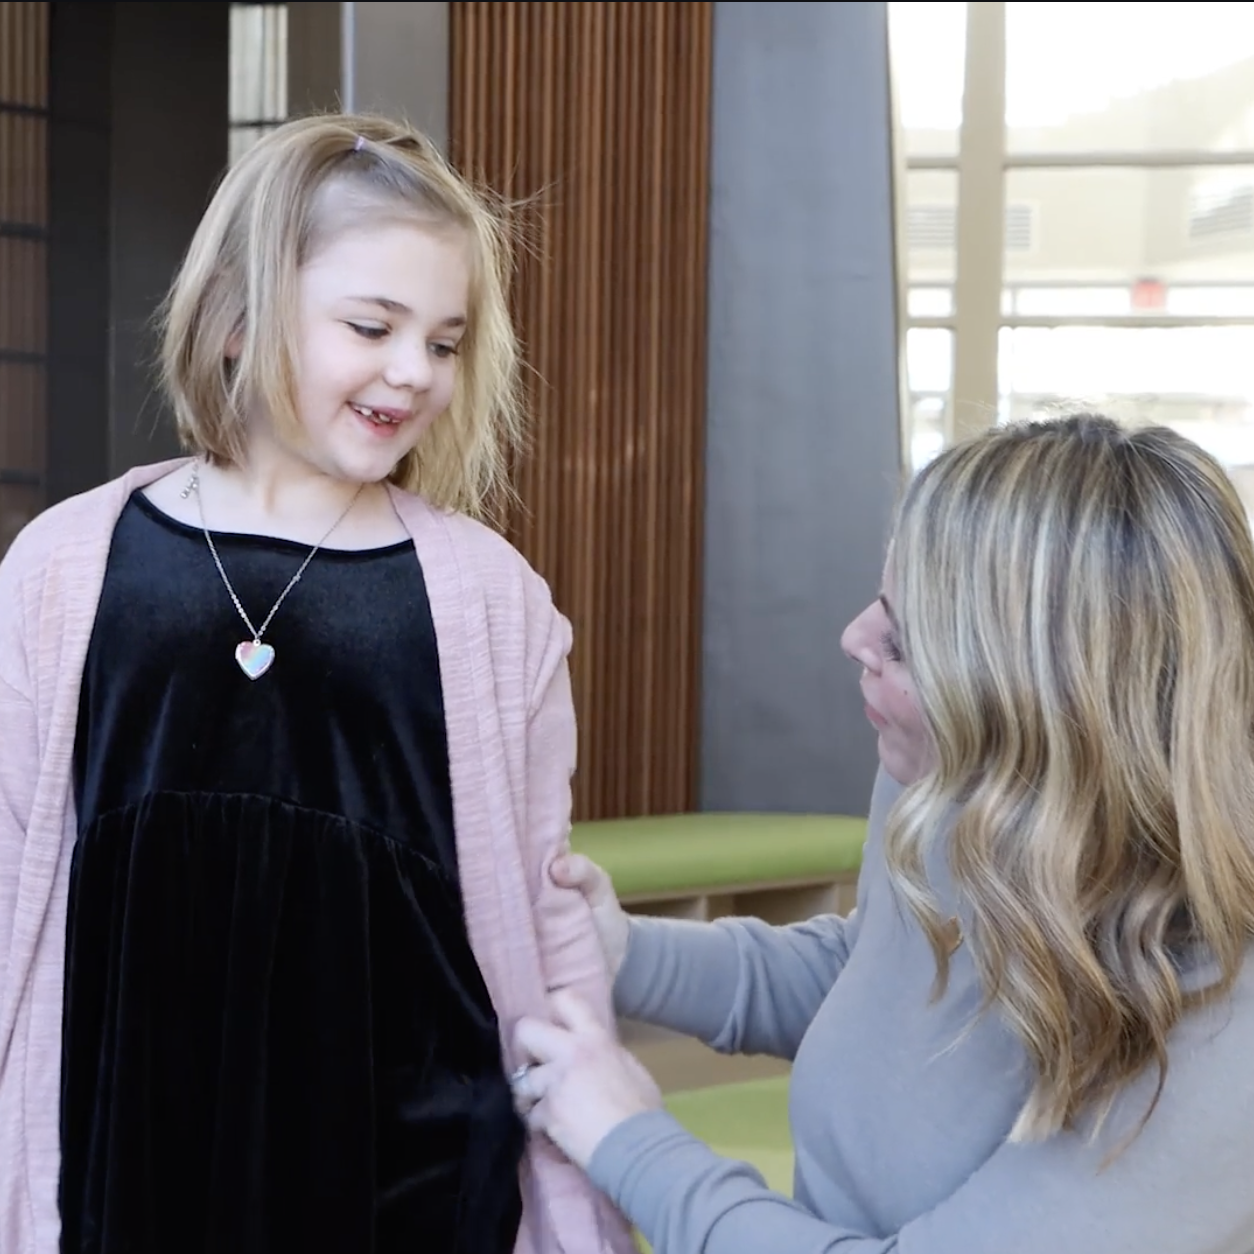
(583, 1083)
(613, 927)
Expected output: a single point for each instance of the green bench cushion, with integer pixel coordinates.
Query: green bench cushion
(677, 853)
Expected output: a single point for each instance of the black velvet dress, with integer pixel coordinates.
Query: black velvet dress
(276, 1037)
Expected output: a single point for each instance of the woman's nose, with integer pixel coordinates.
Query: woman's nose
(857, 642)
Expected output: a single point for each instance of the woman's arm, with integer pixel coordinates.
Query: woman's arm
(1184, 1186)
(739, 985)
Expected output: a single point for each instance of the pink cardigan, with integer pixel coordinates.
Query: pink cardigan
(511, 736)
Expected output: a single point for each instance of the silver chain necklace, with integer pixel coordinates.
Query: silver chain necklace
(252, 656)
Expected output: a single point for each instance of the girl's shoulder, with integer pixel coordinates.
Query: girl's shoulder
(68, 524)
(467, 562)
(71, 535)
(480, 553)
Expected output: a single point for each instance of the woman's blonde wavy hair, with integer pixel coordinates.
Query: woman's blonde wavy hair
(1077, 611)
(278, 205)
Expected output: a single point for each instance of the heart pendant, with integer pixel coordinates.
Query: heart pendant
(254, 658)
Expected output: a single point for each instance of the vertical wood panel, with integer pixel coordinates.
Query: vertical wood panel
(601, 113)
(23, 263)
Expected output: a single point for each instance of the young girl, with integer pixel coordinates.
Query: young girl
(287, 745)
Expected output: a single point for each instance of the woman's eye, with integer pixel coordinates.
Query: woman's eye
(368, 332)
(892, 650)
(444, 351)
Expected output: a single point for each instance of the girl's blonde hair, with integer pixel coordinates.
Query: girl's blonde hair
(1077, 608)
(281, 202)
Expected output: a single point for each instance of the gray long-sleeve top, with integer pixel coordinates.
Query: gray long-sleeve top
(901, 1107)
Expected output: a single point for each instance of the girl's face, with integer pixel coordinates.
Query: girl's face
(382, 313)
(873, 640)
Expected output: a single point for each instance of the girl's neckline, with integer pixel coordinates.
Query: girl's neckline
(254, 539)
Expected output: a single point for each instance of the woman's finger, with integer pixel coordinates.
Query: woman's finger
(528, 1085)
(573, 870)
(542, 1041)
(572, 1012)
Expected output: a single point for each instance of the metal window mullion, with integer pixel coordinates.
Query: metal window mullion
(1162, 159)
(980, 223)
(1135, 322)
(348, 55)
(901, 256)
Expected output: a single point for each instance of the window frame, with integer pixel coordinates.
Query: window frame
(982, 164)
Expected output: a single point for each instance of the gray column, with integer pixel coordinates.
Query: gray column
(377, 58)
(803, 431)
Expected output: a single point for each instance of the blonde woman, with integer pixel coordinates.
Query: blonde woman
(1036, 1033)
(286, 749)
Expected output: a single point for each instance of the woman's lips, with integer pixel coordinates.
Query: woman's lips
(877, 719)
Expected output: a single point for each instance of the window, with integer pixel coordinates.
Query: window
(1116, 147)
(258, 73)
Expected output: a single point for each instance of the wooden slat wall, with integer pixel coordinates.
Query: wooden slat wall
(23, 262)
(602, 110)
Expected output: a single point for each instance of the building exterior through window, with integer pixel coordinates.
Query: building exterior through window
(1078, 216)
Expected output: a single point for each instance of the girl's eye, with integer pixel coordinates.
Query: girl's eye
(368, 332)
(892, 650)
(444, 351)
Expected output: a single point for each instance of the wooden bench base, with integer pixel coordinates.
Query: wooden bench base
(773, 903)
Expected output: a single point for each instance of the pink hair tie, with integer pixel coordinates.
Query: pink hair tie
(359, 145)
